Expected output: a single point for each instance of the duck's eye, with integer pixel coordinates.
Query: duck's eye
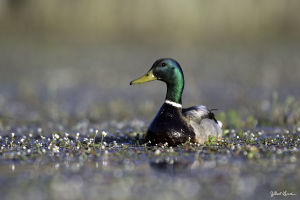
(163, 64)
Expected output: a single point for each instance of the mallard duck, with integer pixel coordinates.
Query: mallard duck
(173, 124)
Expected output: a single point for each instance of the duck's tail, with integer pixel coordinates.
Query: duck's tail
(211, 116)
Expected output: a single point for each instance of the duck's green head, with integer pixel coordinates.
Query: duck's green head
(169, 71)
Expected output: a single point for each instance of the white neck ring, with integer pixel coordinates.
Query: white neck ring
(172, 103)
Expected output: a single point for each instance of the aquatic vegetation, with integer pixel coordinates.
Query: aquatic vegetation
(267, 159)
(282, 112)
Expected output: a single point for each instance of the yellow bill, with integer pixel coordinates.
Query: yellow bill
(149, 76)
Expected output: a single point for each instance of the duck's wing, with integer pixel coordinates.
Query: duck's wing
(197, 113)
(203, 122)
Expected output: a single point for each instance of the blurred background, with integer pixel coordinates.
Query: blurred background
(76, 58)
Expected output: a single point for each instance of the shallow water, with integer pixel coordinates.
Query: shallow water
(244, 165)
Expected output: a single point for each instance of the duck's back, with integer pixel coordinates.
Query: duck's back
(169, 125)
(203, 122)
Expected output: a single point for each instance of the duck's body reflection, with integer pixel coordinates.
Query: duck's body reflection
(172, 164)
